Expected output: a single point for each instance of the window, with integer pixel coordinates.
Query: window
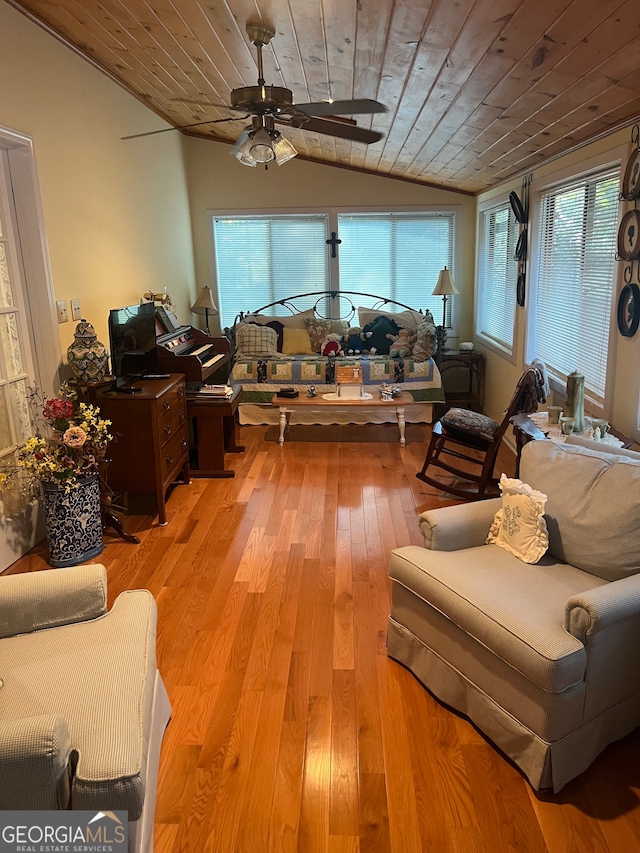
(574, 275)
(497, 273)
(397, 256)
(260, 259)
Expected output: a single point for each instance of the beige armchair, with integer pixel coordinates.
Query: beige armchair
(544, 658)
(82, 706)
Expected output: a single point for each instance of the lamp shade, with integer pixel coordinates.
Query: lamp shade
(204, 304)
(445, 285)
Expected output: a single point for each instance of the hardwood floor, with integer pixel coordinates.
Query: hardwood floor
(291, 729)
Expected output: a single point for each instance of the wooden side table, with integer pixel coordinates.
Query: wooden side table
(215, 426)
(472, 396)
(151, 451)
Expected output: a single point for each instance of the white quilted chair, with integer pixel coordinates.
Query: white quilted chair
(82, 706)
(544, 657)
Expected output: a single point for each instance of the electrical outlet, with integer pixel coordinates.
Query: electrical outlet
(75, 309)
(63, 315)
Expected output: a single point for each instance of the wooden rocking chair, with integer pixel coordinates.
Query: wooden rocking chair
(461, 431)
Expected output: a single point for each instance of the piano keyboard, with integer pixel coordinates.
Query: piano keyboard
(214, 360)
(200, 350)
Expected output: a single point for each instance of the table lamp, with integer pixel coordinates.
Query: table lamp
(204, 304)
(444, 287)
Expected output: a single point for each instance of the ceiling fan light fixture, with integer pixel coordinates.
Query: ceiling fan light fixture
(242, 152)
(261, 146)
(284, 150)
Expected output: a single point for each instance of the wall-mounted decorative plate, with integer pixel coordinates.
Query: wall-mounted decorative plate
(518, 208)
(521, 246)
(629, 310)
(629, 236)
(631, 182)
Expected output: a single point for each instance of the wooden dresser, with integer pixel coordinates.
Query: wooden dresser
(151, 448)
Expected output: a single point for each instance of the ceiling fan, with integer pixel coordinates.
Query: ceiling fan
(261, 143)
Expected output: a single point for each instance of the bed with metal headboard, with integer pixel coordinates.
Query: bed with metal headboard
(292, 342)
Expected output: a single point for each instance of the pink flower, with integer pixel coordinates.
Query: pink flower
(74, 437)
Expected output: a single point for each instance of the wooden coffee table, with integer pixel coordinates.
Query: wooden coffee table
(287, 405)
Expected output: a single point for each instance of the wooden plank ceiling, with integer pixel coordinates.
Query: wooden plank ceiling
(477, 91)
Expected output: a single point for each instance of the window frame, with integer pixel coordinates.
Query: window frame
(612, 159)
(508, 353)
(332, 213)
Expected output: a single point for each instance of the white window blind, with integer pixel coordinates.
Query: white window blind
(498, 270)
(575, 273)
(397, 256)
(264, 258)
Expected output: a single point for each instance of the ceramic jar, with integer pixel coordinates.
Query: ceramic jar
(87, 357)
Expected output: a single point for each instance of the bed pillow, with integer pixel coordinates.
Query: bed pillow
(519, 525)
(252, 339)
(318, 330)
(403, 319)
(380, 328)
(426, 339)
(296, 342)
(289, 321)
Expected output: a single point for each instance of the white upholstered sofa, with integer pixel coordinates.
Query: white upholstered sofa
(544, 658)
(82, 706)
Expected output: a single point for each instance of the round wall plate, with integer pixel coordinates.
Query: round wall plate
(629, 310)
(629, 235)
(631, 182)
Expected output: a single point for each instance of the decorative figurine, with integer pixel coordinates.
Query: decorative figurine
(312, 391)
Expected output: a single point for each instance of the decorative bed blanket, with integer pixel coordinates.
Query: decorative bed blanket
(261, 378)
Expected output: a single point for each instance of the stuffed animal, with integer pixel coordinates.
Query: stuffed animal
(354, 339)
(331, 345)
(402, 343)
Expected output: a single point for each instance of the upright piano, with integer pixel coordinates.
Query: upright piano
(193, 352)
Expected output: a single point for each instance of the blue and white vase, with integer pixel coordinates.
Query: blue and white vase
(74, 522)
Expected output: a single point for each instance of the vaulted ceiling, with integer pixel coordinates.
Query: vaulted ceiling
(477, 91)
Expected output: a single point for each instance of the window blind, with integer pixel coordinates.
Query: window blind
(397, 256)
(498, 269)
(575, 264)
(261, 259)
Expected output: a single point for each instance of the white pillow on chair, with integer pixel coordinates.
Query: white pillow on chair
(519, 525)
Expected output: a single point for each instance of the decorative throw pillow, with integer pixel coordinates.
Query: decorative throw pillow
(255, 340)
(277, 327)
(465, 423)
(426, 339)
(296, 342)
(380, 328)
(519, 526)
(319, 329)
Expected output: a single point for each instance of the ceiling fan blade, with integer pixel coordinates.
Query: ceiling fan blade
(185, 126)
(332, 108)
(344, 131)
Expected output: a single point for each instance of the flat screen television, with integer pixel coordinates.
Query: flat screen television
(132, 336)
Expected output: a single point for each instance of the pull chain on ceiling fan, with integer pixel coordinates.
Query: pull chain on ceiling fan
(261, 143)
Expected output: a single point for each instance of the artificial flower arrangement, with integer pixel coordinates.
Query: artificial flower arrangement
(74, 446)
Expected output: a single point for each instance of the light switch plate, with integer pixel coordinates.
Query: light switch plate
(63, 314)
(75, 309)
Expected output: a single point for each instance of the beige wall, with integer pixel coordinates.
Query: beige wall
(116, 213)
(219, 182)
(624, 353)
